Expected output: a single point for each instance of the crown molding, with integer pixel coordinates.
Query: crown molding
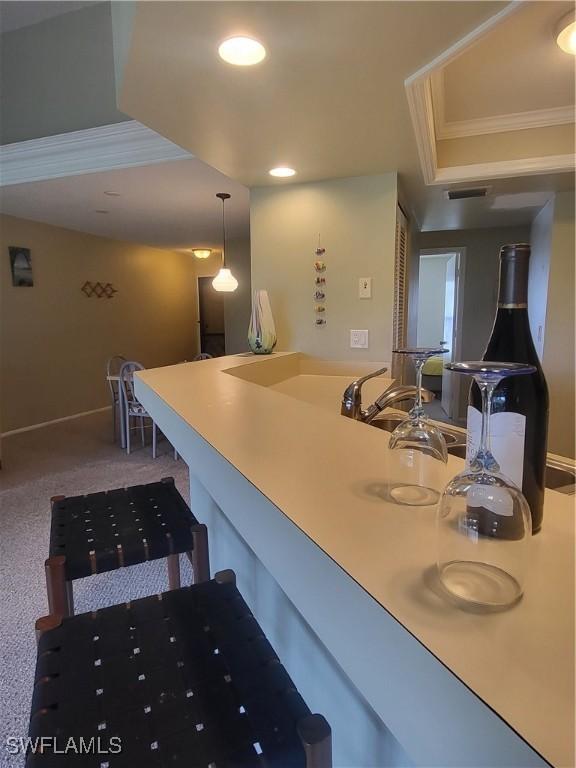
(511, 121)
(502, 169)
(121, 145)
(426, 101)
(419, 96)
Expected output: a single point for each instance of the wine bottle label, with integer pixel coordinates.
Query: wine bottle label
(507, 433)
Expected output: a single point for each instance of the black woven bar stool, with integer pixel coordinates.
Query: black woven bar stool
(105, 531)
(186, 678)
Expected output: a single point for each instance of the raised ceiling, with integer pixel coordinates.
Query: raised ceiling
(167, 205)
(329, 100)
(499, 103)
(516, 68)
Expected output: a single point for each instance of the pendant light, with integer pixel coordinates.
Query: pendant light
(224, 280)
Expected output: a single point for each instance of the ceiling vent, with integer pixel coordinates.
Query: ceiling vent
(465, 194)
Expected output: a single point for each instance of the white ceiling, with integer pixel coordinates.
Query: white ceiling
(329, 99)
(537, 74)
(169, 205)
(15, 15)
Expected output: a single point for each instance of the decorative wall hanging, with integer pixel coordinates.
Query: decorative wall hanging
(320, 284)
(101, 291)
(262, 330)
(21, 266)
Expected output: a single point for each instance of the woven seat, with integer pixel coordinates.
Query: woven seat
(104, 531)
(186, 678)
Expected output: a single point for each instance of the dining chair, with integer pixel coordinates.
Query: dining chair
(113, 366)
(132, 408)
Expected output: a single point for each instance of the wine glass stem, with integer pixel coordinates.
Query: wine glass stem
(417, 408)
(487, 389)
(484, 459)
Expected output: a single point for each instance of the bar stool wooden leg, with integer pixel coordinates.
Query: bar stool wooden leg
(58, 589)
(316, 737)
(199, 557)
(46, 623)
(173, 571)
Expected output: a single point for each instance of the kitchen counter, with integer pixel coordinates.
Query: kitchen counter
(295, 496)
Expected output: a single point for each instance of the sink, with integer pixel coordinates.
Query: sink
(559, 477)
(389, 423)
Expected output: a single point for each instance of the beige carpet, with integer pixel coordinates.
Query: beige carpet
(69, 458)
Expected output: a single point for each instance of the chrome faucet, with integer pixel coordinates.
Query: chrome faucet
(352, 399)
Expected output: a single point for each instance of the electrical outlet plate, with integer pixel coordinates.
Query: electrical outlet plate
(359, 339)
(364, 287)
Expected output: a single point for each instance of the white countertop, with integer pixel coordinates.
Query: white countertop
(271, 418)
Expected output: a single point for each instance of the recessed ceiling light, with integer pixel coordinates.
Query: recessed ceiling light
(242, 51)
(566, 33)
(282, 172)
(112, 194)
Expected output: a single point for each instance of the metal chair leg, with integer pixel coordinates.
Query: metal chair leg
(127, 433)
(142, 431)
(153, 439)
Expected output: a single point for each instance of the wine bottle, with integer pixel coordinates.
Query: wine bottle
(519, 424)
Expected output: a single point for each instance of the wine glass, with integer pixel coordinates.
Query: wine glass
(483, 523)
(416, 435)
(417, 431)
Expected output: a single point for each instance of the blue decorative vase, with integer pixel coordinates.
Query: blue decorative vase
(262, 331)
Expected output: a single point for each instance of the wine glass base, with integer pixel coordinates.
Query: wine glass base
(479, 584)
(414, 495)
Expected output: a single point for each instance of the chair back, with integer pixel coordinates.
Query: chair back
(202, 356)
(113, 366)
(127, 380)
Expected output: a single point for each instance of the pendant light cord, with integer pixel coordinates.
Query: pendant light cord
(223, 237)
(223, 196)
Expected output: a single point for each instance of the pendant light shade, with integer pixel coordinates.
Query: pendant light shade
(224, 280)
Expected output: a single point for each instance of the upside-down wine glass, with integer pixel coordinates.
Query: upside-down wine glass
(418, 434)
(417, 431)
(483, 524)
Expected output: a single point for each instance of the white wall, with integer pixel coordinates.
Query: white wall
(541, 241)
(356, 218)
(431, 300)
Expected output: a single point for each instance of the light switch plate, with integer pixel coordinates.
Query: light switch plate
(359, 339)
(364, 287)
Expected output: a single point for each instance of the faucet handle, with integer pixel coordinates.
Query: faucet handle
(352, 398)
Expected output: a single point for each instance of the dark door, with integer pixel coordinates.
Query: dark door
(211, 313)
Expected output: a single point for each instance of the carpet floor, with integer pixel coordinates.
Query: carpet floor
(69, 458)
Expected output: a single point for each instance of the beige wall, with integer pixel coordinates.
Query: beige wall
(356, 218)
(55, 341)
(558, 362)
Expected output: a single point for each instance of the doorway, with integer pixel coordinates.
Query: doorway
(440, 305)
(211, 318)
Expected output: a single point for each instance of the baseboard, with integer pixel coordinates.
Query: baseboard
(55, 421)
